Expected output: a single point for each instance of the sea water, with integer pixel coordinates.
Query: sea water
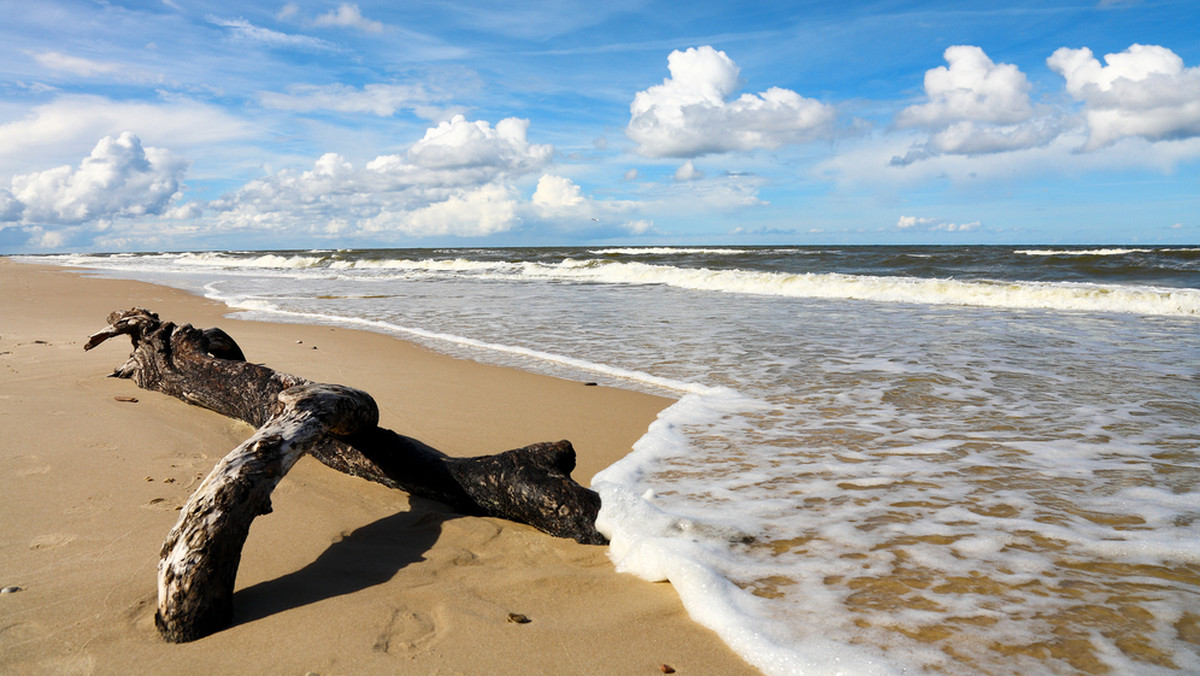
(881, 459)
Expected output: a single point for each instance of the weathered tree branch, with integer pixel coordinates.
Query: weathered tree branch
(199, 560)
(338, 426)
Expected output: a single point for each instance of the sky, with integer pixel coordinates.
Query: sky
(167, 125)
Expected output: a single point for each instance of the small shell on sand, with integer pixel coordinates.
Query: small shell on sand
(666, 669)
(518, 618)
(10, 590)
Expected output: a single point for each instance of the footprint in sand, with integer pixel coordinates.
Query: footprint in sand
(51, 540)
(162, 504)
(33, 465)
(30, 471)
(406, 633)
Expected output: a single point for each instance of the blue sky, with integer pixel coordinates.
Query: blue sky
(173, 124)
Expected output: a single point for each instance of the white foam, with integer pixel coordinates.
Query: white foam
(658, 546)
(265, 261)
(665, 251)
(1080, 252)
(1021, 295)
(433, 265)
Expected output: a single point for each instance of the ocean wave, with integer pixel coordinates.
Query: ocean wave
(1063, 296)
(1069, 296)
(268, 261)
(1080, 252)
(199, 261)
(663, 251)
(1066, 296)
(426, 265)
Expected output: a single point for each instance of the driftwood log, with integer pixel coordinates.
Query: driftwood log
(337, 425)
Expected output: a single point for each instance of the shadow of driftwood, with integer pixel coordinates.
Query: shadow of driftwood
(366, 557)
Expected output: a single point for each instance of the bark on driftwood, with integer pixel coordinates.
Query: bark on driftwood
(337, 425)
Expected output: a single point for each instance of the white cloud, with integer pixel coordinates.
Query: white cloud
(59, 131)
(47, 239)
(934, 225)
(348, 16)
(459, 143)
(912, 221)
(1144, 91)
(561, 204)
(689, 114)
(639, 226)
(476, 212)
(974, 107)
(958, 227)
(971, 88)
(119, 179)
(377, 99)
(870, 162)
(74, 64)
(555, 193)
(631, 175)
(458, 180)
(688, 172)
(183, 212)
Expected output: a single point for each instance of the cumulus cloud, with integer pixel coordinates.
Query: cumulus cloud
(933, 225)
(556, 193)
(1144, 91)
(474, 212)
(974, 107)
(972, 87)
(907, 222)
(348, 16)
(52, 239)
(688, 172)
(690, 113)
(957, 227)
(457, 180)
(118, 179)
(459, 143)
(561, 203)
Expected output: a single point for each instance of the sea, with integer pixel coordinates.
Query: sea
(881, 459)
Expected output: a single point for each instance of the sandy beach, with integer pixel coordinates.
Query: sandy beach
(346, 576)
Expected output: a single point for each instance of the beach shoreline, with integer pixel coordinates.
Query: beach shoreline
(345, 576)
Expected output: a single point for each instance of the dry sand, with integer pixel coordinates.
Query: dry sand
(346, 576)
